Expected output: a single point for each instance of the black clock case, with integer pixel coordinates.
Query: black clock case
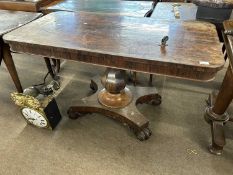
(52, 113)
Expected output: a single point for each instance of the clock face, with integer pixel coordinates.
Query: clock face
(34, 117)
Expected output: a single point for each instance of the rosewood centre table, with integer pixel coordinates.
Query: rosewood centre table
(123, 43)
(216, 114)
(10, 20)
(24, 5)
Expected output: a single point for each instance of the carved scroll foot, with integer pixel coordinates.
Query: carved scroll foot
(144, 134)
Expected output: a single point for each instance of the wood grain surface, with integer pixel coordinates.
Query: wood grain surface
(10, 20)
(23, 5)
(130, 43)
(129, 8)
(164, 11)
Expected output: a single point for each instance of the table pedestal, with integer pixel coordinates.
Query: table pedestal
(118, 101)
(216, 114)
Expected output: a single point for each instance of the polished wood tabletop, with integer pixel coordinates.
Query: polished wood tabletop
(24, 5)
(10, 20)
(130, 43)
(165, 11)
(129, 8)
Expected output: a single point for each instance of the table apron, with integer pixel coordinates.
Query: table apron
(120, 62)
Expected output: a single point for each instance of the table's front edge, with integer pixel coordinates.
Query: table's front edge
(120, 62)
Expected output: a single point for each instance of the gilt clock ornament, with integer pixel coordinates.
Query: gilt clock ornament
(40, 111)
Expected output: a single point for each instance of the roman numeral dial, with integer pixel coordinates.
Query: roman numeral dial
(34, 117)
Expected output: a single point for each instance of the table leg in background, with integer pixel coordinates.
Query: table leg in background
(7, 58)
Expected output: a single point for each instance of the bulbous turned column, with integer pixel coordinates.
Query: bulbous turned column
(115, 93)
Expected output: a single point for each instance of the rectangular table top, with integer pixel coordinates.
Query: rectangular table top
(122, 42)
(164, 11)
(10, 20)
(23, 5)
(129, 8)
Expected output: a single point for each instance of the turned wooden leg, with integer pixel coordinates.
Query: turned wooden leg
(216, 113)
(7, 58)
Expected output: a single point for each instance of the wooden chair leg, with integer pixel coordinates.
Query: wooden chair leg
(225, 94)
(7, 58)
(216, 115)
